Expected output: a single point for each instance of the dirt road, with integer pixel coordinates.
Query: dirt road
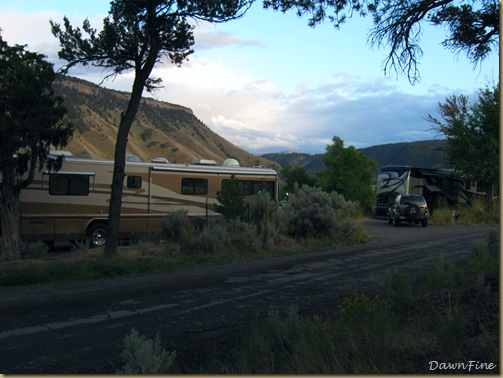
(80, 327)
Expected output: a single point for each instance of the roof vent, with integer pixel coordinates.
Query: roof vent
(204, 162)
(161, 160)
(231, 163)
(132, 159)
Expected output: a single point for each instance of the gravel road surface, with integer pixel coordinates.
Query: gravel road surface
(79, 327)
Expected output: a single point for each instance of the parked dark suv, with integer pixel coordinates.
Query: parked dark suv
(408, 208)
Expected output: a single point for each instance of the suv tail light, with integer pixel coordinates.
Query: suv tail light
(426, 210)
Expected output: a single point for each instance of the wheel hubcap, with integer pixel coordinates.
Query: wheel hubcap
(99, 238)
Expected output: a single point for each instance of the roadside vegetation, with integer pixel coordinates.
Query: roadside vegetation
(478, 212)
(407, 324)
(255, 228)
(311, 220)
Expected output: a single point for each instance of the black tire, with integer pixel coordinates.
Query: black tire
(97, 235)
(413, 211)
(424, 223)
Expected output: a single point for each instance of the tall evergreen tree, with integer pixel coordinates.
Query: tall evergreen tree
(231, 199)
(30, 123)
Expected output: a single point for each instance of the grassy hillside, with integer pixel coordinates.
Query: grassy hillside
(161, 129)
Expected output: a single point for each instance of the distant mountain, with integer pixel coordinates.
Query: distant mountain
(311, 163)
(423, 154)
(160, 129)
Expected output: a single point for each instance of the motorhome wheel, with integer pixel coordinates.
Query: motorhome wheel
(97, 235)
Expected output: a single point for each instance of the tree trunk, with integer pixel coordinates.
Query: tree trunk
(10, 216)
(142, 73)
(114, 210)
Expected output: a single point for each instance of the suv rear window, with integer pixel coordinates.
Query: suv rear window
(418, 200)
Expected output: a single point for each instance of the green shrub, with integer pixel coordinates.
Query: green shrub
(346, 208)
(349, 232)
(309, 212)
(261, 208)
(146, 356)
(244, 236)
(173, 226)
(271, 233)
(231, 238)
(212, 238)
(339, 202)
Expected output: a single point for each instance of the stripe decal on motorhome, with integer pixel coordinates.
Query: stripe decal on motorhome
(240, 172)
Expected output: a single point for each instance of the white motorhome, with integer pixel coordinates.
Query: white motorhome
(435, 185)
(72, 203)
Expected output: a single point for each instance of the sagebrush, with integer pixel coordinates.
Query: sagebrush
(146, 356)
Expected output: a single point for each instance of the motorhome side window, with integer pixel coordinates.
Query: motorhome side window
(194, 186)
(252, 187)
(134, 182)
(62, 184)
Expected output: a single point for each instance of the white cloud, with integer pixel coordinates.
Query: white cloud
(256, 115)
(225, 123)
(33, 29)
(216, 39)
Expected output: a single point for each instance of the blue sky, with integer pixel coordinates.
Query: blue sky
(269, 83)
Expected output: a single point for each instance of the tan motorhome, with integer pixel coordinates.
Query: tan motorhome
(72, 203)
